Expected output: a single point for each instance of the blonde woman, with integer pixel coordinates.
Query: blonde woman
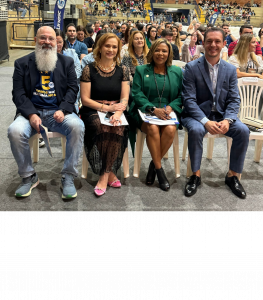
(157, 90)
(105, 87)
(137, 52)
(248, 64)
(176, 39)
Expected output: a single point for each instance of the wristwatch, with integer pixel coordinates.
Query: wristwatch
(151, 110)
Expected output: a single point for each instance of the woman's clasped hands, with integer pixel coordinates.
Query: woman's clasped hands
(163, 113)
(118, 108)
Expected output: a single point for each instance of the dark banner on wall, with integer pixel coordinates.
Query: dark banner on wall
(3, 45)
(59, 13)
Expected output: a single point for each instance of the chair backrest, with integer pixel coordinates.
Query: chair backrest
(250, 90)
(179, 63)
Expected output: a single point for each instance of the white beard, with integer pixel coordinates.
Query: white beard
(46, 59)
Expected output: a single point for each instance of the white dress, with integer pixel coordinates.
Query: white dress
(250, 64)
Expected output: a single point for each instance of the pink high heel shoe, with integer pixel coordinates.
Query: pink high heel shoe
(116, 183)
(99, 191)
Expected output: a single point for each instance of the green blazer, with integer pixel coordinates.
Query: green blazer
(142, 80)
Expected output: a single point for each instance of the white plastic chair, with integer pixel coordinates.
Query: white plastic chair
(179, 63)
(139, 149)
(250, 90)
(34, 144)
(125, 162)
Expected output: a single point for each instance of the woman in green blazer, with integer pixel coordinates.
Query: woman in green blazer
(155, 86)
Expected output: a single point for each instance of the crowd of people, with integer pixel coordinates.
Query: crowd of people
(228, 12)
(121, 70)
(111, 8)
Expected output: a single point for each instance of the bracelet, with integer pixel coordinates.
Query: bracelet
(101, 107)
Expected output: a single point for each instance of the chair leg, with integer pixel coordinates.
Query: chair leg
(85, 165)
(125, 162)
(229, 145)
(166, 156)
(176, 155)
(138, 153)
(31, 143)
(63, 144)
(258, 149)
(210, 148)
(36, 150)
(189, 169)
(185, 145)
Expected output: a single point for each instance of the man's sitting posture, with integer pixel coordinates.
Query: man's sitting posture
(211, 104)
(44, 92)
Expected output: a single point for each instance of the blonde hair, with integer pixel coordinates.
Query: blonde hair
(177, 39)
(155, 45)
(103, 39)
(242, 49)
(131, 48)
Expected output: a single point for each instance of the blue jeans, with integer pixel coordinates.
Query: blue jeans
(20, 131)
(24, 10)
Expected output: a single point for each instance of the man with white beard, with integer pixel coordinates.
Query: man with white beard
(44, 92)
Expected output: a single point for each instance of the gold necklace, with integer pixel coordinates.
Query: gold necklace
(106, 68)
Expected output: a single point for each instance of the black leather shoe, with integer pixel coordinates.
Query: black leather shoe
(163, 181)
(150, 178)
(235, 186)
(191, 186)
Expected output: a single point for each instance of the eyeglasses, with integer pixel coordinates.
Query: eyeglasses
(153, 31)
(44, 38)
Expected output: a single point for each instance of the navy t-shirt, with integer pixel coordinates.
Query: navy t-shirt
(44, 95)
(228, 40)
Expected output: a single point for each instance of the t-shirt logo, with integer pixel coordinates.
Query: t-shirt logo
(45, 80)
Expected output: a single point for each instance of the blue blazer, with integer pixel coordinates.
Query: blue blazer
(197, 92)
(25, 79)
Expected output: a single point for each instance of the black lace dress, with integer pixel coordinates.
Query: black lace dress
(104, 145)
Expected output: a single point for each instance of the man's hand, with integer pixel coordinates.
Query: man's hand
(213, 127)
(35, 121)
(224, 126)
(59, 116)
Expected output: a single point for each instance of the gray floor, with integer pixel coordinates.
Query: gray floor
(134, 195)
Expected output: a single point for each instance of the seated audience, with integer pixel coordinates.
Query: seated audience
(176, 39)
(122, 33)
(80, 48)
(247, 63)
(229, 37)
(90, 58)
(137, 52)
(167, 34)
(151, 36)
(81, 33)
(190, 49)
(243, 30)
(157, 90)
(183, 34)
(125, 41)
(104, 88)
(62, 49)
(113, 27)
(89, 40)
(44, 91)
(260, 35)
(211, 104)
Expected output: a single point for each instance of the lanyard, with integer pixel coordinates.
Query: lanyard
(160, 97)
(192, 50)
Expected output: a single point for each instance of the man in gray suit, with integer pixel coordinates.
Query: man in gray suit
(211, 104)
